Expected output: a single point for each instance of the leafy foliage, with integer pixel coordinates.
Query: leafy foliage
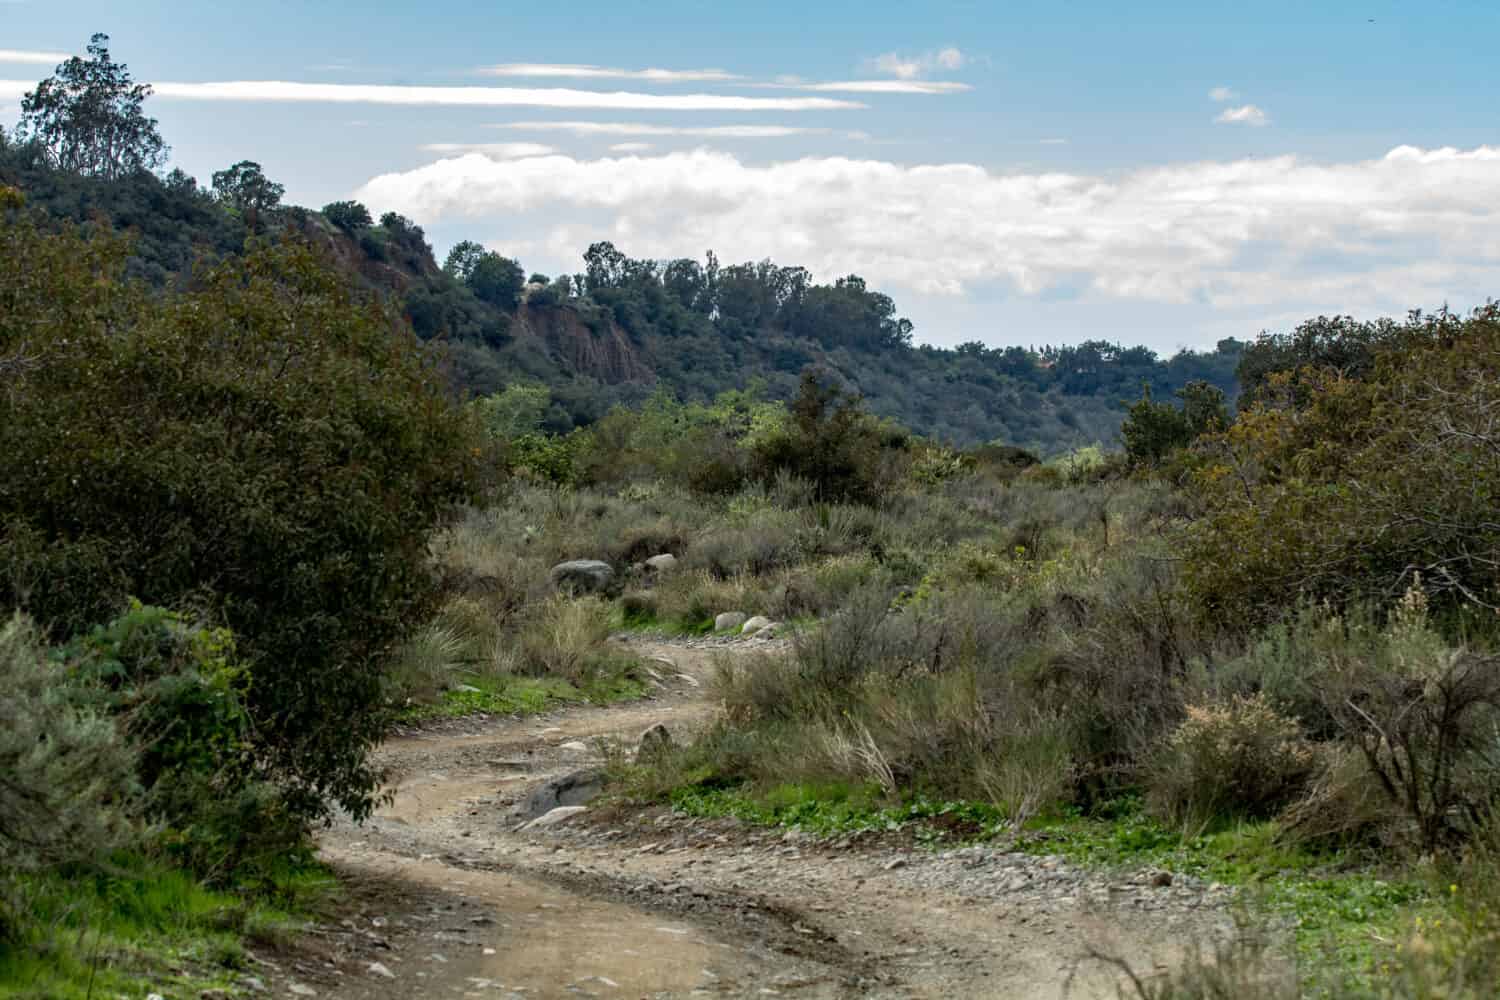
(265, 446)
(349, 216)
(1347, 488)
(247, 191)
(88, 119)
(66, 776)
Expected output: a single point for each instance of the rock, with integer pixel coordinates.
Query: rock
(376, 969)
(754, 625)
(1161, 880)
(895, 863)
(467, 689)
(770, 631)
(729, 620)
(662, 563)
(570, 790)
(574, 746)
(303, 991)
(653, 743)
(555, 816)
(582, 576)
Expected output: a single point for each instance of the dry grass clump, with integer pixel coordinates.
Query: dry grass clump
(1238, 758)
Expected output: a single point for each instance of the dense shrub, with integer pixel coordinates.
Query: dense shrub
(178, 691)
(830, 441)
(67, 777)
(264, 446)
(1238, 758)
(350, 216)
(1342, 488)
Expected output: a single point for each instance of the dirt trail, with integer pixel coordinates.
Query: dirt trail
(453, 898)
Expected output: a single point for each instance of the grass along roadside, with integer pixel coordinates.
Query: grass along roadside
(1348, 920)
(139, 923)
(509, 695)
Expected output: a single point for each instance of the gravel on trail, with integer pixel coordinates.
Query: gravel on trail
(454, 889)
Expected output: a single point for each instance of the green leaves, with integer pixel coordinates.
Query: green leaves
(266, 447)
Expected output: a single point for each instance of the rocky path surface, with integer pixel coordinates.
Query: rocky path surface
(454, 893)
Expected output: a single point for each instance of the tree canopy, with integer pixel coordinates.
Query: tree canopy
(89, 118)
(246, 190)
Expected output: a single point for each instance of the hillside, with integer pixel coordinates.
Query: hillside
(623, 327)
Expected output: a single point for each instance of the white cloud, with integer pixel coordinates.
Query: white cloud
(630, 147)
(1245, 114)
(37, 58)
(1222, 94)
(914, 67)
(546, 97)
(1415, 227)
(880, 86)
(499, 150)
(641, 128)
(583, 72)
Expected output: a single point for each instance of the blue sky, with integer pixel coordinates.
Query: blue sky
(1013, 173)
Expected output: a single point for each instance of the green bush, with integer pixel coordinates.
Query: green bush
(265, 446)
(1343, 488)
(179, 692)
(67, 776)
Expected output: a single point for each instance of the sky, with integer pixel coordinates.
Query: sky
(1010, 173)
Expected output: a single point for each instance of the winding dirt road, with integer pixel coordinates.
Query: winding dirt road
(453, 895)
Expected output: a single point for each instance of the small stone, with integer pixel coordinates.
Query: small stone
(582, 576)
(895, 863)
(662, 563)
(574, 746)
(376, 969)
(729, 620)
(753, 625)
(653, 743)
(555, 816)
(300, 990)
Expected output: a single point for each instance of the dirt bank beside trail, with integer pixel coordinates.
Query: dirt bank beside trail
(451, 897)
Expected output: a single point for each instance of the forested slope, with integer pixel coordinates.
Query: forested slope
(623, 327)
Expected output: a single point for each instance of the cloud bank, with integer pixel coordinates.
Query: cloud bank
(585, 72)
(282, 91)
(33, 58)
(1413, 227)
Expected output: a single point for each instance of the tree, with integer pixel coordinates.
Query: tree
(248, 191)
(497, 280)
(492, 278)
(269, 447)
(1153, 430)
(462, 259)
(349, 216)
(88, 118)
